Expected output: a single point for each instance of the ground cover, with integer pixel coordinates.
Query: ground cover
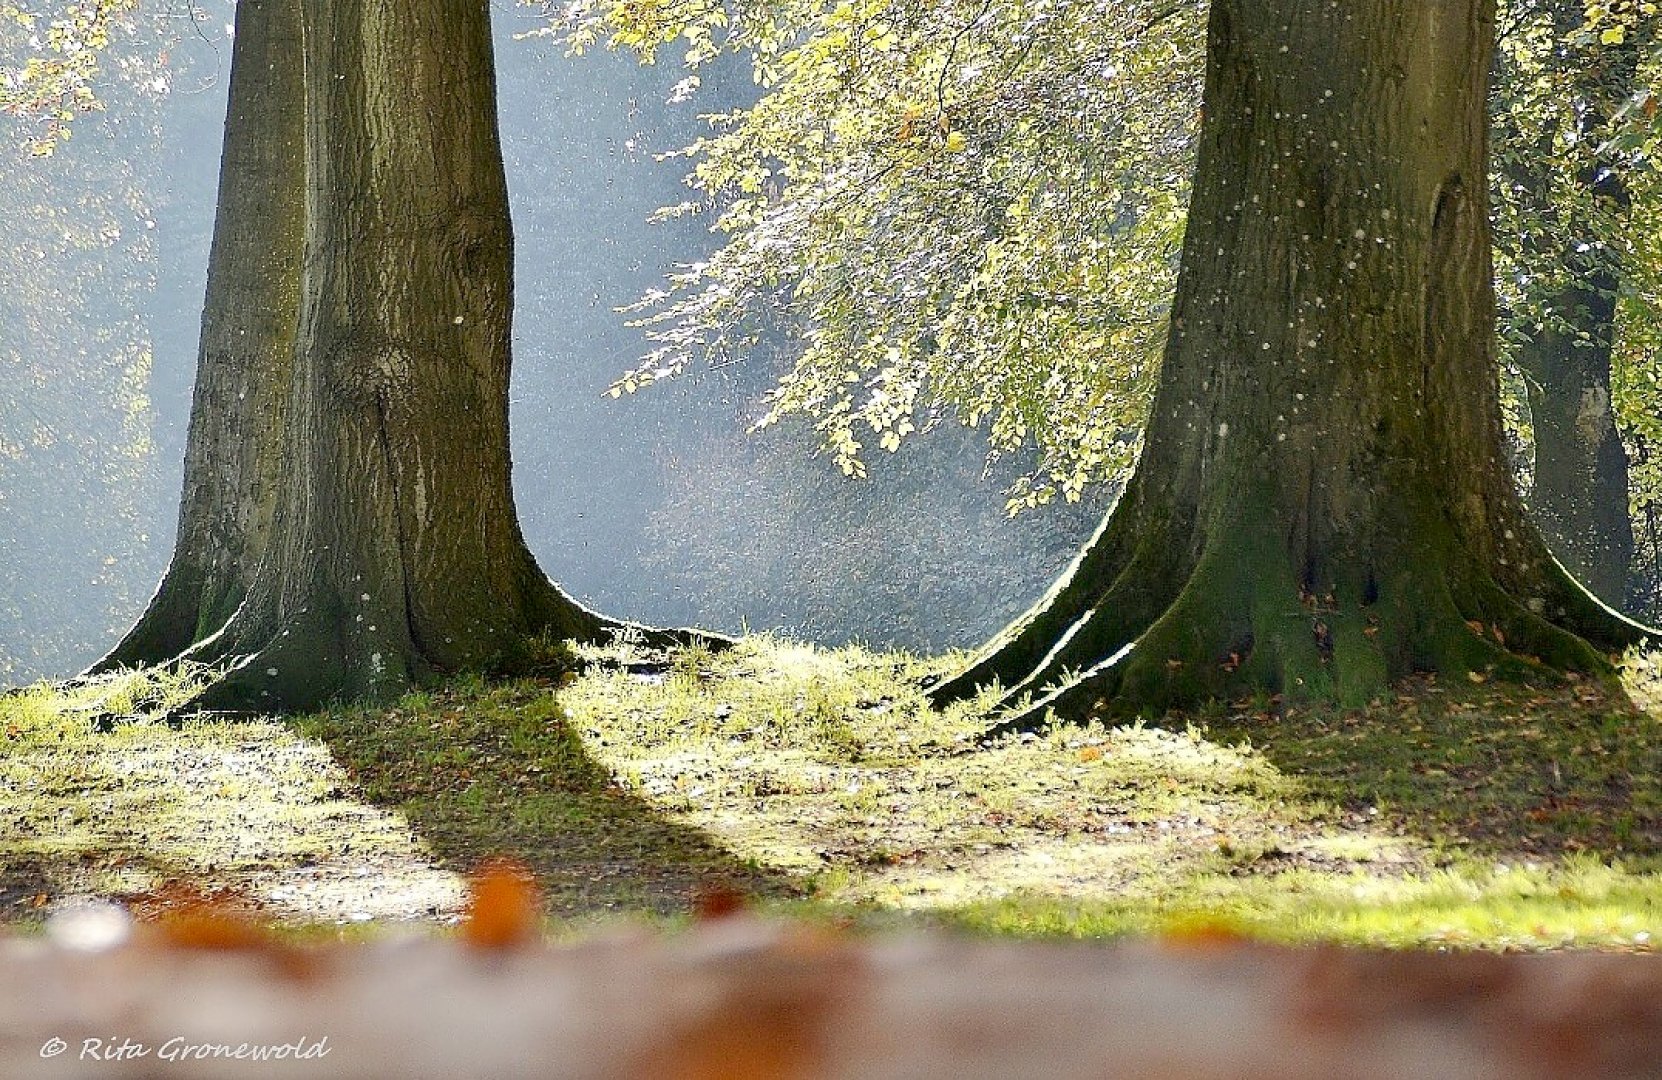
(632, 782)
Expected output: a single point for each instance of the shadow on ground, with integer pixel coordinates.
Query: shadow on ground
(1494, 767)
(491, 772)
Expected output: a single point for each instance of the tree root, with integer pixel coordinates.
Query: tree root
(1229, 635)
(1125, 550)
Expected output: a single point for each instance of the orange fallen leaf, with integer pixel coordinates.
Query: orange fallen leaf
(183, 917)
(1203, 934)
(501, 907)
(212, 928)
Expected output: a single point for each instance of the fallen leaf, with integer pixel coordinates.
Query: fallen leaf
(501, 907)
(718, 901)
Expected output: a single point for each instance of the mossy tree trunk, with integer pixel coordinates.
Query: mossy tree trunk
(1323, 502)
(233, 450)
(390, 550)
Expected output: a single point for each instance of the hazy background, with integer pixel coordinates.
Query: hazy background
(657, 507)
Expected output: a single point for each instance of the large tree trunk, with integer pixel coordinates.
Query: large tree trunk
(396, 551)
(1323, 502)
(389, 549)
(234, 446)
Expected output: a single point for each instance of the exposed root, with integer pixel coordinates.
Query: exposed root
(655, 637)
(1244, 624)
(1568, 604)
(171, 623)
(1029, 643)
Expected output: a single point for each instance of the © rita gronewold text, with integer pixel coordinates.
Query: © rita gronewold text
(180, 1048)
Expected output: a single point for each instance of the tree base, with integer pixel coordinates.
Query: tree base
(1241, 621)
(261, 667)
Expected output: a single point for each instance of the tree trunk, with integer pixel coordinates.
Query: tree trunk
(1580, 495)
(389, 550)
(234, 446)
(1323, 502)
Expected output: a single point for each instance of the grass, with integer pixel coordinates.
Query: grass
(484, 771)
(248, 805)
(1490, 815)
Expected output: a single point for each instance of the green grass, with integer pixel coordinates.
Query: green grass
(1577, 902)
(1491, 815)
(483, 771)
(246, 806)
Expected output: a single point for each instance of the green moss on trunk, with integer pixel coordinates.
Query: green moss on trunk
(1323, 503)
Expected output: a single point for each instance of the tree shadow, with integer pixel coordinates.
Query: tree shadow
(1501, 768)
(496, 771)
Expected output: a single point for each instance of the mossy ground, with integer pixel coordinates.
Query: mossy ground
(1491, 815)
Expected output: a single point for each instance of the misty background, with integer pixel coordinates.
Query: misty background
(656, 507)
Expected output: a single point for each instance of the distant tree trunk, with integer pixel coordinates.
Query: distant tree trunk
(1572, 272)
(234, 446)
(1647, 584)
(1580, 496)
(390, 550)
(1323, 501)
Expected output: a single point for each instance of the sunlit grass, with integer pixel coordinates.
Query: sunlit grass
(1492, 816)
(94, 808)
(1579, 902)
(1383, 825)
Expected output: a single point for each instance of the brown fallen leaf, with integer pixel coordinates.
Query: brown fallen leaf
(718, 900)
(502, 908)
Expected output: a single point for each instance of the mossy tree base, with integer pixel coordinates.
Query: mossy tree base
(1242, 621)
(1323, 502)
(377, 545)
(307, 663)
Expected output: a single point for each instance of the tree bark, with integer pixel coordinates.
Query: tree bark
(1323, 502)
(387, 550)
(234, 444)
(1580, 494)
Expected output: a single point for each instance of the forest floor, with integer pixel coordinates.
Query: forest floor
(815, 781)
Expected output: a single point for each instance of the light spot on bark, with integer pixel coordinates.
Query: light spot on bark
(1592, 419)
